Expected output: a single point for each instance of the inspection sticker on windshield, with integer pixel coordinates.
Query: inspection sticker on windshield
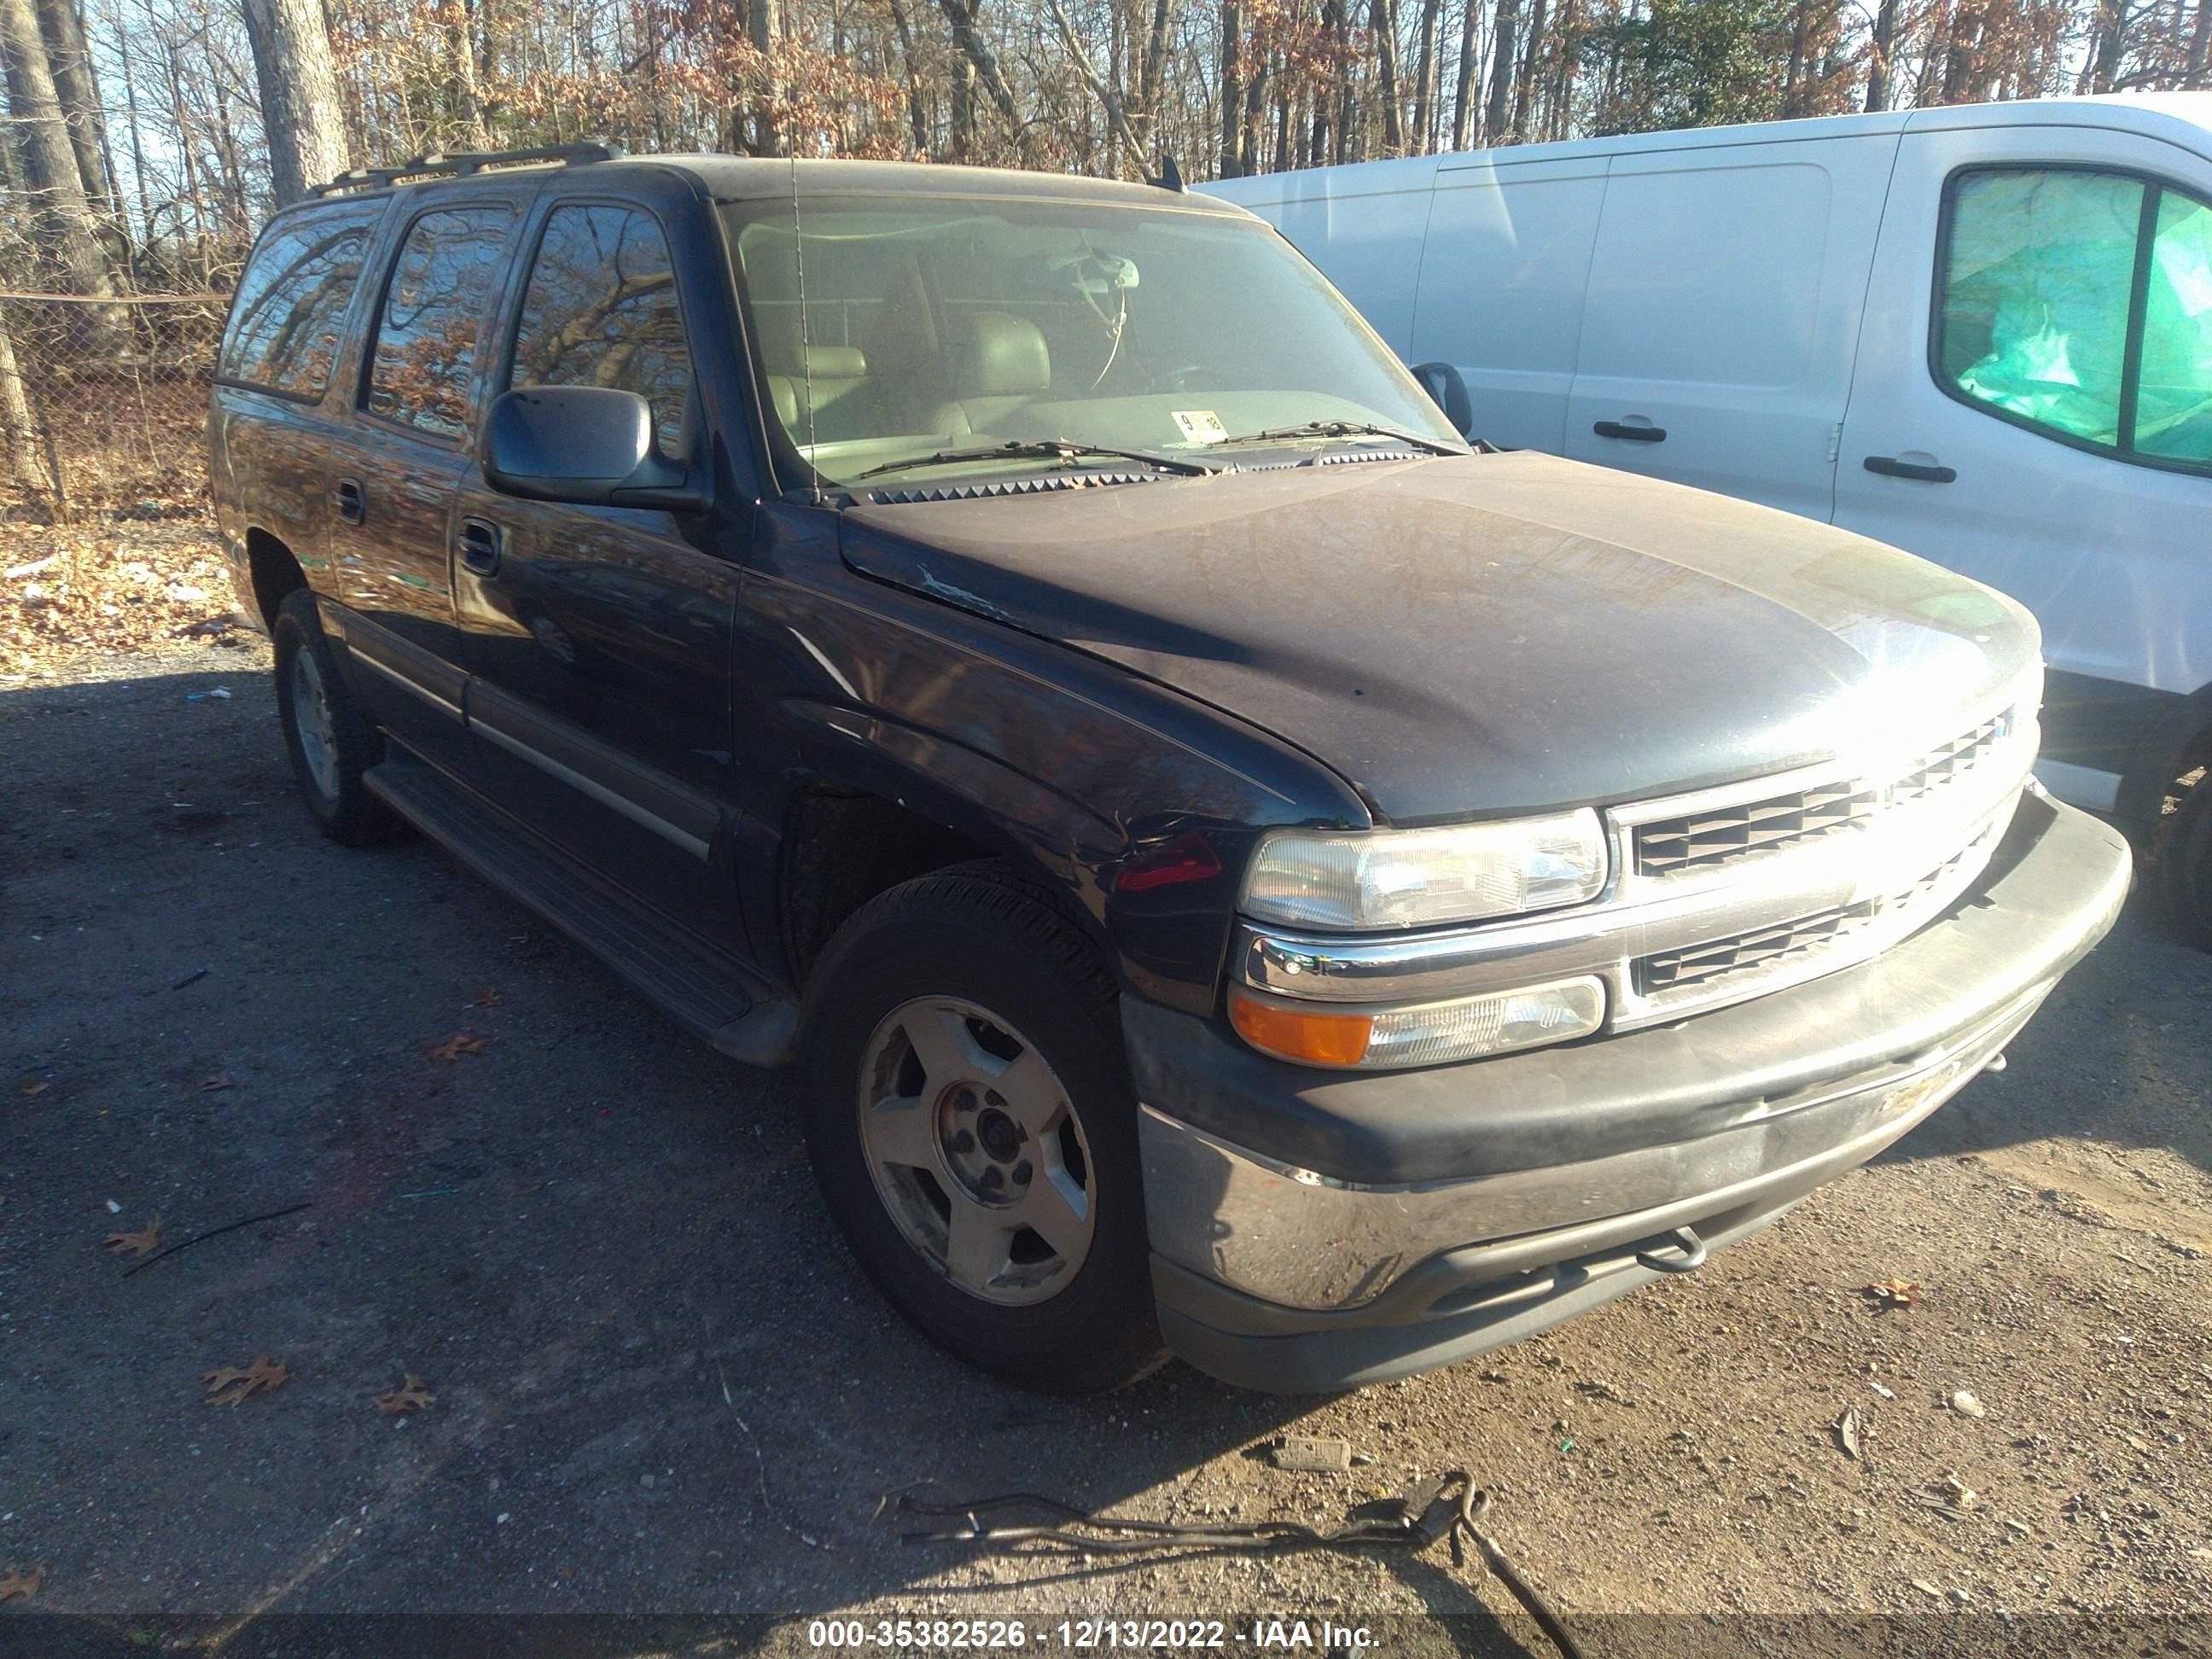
(1201, 425)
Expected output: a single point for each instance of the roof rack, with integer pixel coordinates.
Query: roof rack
(438, 164)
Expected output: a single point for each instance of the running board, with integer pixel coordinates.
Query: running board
(707, 991)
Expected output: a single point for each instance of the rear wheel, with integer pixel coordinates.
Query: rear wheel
(2181, 856)
(973, 1130)
(331, 740)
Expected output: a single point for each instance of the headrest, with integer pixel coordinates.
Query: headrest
(1004, 355)
(779, 352)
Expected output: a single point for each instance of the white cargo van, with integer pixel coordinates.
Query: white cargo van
(1982, 334)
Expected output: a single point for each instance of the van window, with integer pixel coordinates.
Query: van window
(288, 318)
(601, 310)
(434, 309)
(2049, 275)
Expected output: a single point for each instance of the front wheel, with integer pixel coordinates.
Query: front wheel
(2182, 852)
(973, 1130)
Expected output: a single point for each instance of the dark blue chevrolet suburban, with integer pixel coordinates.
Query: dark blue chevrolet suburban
(1240, 870)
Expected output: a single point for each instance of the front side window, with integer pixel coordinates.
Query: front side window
(288, 318)
(926, 325)
(601, 310)
(433, 311)
(2080, 304)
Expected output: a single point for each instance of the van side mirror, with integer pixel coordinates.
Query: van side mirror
(588, 446)
(1443, 383)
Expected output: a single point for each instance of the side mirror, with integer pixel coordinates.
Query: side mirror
(588, 446)
(1443, 382)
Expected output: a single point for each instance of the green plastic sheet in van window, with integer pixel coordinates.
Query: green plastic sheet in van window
(2035, 295)
(2173, 410)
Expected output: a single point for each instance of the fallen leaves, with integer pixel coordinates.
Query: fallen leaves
(410, 1396)
(21, 1586)
(1894, 1293)
(32, 1086)
(488, 996)
(451, 1050)
(227, 1385)
(112, 585)
(143, 1242)
(215, 1081)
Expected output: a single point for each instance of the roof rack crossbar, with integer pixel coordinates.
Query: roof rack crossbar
(459, 164)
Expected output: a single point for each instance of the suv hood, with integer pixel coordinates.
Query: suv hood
(1462, 636)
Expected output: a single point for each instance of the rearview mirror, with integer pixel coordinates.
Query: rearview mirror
(587, 445)
(1443, 383)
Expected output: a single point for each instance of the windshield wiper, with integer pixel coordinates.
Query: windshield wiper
(1339, 430)
(1039, 449)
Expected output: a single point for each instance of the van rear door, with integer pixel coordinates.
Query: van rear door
(1724, 298)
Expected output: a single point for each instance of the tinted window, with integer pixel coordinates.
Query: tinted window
(287, 322)
(601, 310)
(2048, 277)
(434, 310)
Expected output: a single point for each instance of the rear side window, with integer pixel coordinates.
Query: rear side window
(434, 309)
(2080, 304)
(601, 310)
(288, 318)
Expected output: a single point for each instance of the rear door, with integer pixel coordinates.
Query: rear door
(393, 485)
(2034, 408)
(1723, 300)
(599, 637)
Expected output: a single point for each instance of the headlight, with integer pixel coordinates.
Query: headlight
(1383, 878)
(1432, 1034)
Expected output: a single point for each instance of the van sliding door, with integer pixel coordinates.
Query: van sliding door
(1724, 296)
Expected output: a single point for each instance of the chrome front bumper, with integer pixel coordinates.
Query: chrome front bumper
(1315, 1230)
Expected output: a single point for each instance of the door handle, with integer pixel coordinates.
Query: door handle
(1635, 434)
(1890, 467)
(478, 544)
(353, 505)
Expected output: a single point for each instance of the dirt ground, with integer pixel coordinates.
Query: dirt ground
(662, 1388)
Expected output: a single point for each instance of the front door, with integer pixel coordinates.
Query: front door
(392, 491)
(2032, 407)
(599, 637)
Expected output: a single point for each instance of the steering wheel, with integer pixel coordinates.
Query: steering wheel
(1179, 378)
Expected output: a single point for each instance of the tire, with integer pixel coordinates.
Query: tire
(329, 739)
(2181, 853)
(962, 1069)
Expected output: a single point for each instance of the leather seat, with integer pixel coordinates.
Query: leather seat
(1002, 366)
(844, 397)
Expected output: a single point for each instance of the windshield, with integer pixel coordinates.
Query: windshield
(948, 324)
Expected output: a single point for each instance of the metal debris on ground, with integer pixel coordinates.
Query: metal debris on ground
(212, 1232)
(1448, 1506)
(1311, 1456)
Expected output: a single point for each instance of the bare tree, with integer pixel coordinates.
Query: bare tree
(63, 219)
(299, 94)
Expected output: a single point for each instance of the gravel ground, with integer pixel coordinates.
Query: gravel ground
(661, 1387)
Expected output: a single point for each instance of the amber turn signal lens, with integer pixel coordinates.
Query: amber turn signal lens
(1317, 1039)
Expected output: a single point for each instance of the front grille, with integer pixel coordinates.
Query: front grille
(1695, 841)
(1700, 839)
(1766, 948)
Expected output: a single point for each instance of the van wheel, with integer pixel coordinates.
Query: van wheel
(2182, 852)
(329, 739)
(973, 1130)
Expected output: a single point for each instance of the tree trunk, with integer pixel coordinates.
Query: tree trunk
(1524, 93)
(763, 22)
(2112, 40)
(16, 416)
(1232, 83)
(63, 219)
(2200, 42)
(78, 88)
(1383, 21)
(299, 94)
(461, 78)
(1880, 46)
(917, 119)
(1463, 93)
(1501, 60)
(1424, 69)
(977, 51)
